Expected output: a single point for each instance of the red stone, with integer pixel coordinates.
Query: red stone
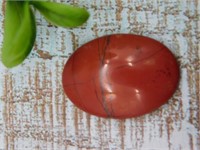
(121, 76)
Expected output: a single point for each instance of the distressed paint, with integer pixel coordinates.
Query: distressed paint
(35, 113)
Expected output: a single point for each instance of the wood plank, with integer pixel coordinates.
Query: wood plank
(36, 114)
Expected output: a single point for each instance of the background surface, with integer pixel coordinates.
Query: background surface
(36, 115)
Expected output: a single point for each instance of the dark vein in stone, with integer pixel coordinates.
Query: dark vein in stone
(134, 63)
(105, 106)
(95, 91)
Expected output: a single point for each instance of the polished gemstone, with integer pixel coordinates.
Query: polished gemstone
(121, 76)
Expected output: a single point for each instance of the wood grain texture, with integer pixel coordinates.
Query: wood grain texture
(35, 114)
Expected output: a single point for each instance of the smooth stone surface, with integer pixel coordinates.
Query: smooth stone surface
(120, 76)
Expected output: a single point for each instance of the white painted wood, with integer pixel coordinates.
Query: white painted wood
(35, 113)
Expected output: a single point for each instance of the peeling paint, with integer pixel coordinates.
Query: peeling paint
(36, 114)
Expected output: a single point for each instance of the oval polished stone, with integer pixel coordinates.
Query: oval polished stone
(120, 76)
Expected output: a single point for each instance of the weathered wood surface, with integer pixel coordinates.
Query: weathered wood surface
(36, 115)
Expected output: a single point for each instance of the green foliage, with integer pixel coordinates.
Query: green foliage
(20, 26)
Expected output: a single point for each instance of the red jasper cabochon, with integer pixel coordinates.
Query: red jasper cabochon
(120, 76)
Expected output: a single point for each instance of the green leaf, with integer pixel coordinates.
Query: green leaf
(19, 33)
(62, 14)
